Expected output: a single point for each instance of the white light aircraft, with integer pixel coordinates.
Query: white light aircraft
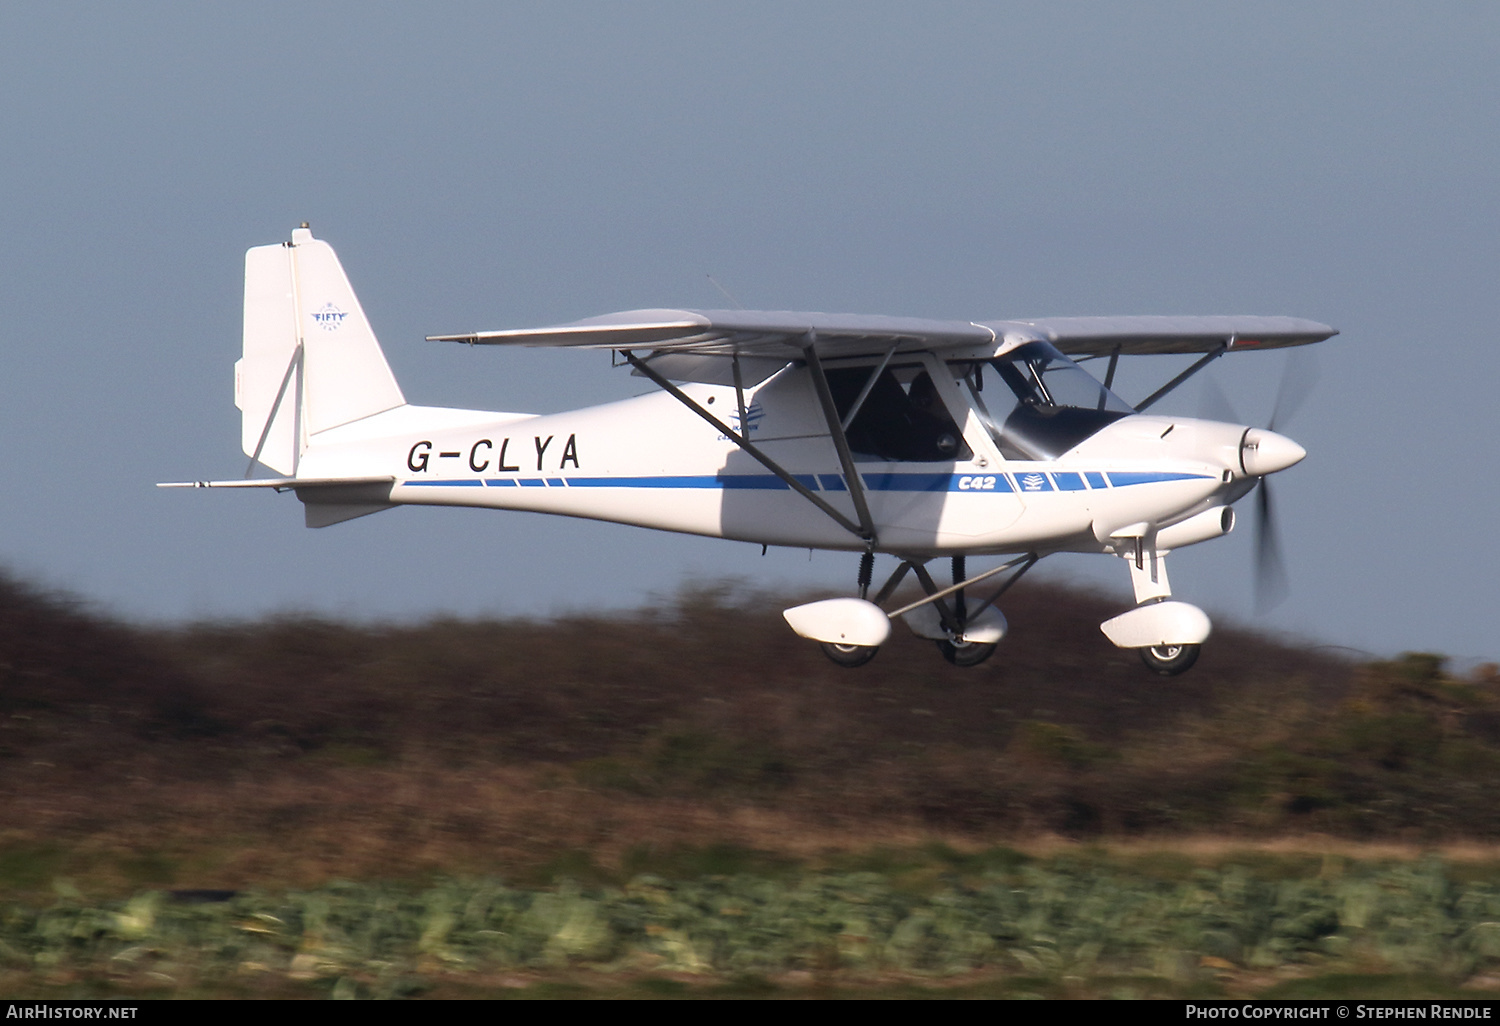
(915, 439)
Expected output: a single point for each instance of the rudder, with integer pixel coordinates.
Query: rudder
(310, 360)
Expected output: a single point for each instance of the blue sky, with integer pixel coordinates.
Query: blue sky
(508, 165)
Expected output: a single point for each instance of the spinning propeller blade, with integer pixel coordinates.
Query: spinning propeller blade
(1213, 404)
(1270, 569)
(1298, 379)
(1297, 382)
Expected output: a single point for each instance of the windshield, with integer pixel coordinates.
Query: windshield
(1047, 406)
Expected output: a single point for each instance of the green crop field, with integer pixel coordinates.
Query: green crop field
(992, 922)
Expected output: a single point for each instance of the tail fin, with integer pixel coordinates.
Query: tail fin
(310, 361)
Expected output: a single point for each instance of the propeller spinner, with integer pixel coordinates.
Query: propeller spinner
(1264, 452)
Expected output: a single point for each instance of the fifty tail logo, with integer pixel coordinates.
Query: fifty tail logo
(330, 317)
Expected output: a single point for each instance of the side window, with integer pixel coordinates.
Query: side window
(902, 418)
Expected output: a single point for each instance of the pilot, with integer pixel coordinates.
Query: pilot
(933, 432)
(910, 426)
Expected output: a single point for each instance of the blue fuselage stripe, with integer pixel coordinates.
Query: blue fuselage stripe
(1025, 482)
(1125, 478)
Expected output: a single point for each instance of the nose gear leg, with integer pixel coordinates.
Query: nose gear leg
(1168, 635)
(1148, 574)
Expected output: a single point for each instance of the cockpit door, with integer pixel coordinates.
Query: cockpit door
(932, 472)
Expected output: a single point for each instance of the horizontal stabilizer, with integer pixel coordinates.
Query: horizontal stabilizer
(282, 484)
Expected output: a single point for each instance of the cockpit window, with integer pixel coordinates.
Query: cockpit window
(902, 417)
(1047, 406)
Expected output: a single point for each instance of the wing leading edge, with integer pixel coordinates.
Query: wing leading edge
(757, 333)
(1137, 336)
(782, 335)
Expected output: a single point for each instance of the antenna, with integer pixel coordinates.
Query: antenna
(737, 304)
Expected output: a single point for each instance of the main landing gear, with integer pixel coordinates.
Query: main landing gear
(852, 630)
(1167, 635)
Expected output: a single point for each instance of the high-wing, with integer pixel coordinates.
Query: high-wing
(782, 334)
(762, 333)
(1090, 336)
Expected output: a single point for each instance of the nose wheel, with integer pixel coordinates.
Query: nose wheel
(1170, 660)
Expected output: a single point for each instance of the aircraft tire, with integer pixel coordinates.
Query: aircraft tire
(849, 656)
(971, 654)
(1170, 660)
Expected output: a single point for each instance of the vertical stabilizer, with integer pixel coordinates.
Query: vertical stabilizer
(310, 360)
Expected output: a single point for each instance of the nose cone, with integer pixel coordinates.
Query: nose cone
(1265, 452)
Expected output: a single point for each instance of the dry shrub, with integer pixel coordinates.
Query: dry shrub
(308, 744)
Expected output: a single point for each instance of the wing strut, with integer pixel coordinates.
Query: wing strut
(840, 440)
(1212, 355)
(864, 393)
(1109, 375)
(750, 450)
(739, 391)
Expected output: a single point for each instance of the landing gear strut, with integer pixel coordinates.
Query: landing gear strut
(1167, 634)
(956, 650)
(851, 630)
